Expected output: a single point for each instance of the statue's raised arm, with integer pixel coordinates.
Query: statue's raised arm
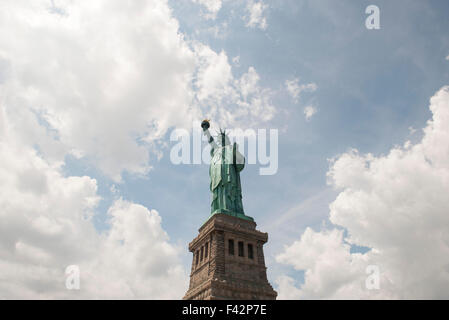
(206, 125)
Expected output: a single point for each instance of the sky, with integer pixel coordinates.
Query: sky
(90, 93)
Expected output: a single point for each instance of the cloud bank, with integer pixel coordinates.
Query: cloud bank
(394, 204)
(47, 226)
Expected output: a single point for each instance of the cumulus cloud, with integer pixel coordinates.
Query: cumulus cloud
(247, 103)
(256, 14)
(88, 84)
(47, 226)
(99, 83)
(396, 205)
(136, 259)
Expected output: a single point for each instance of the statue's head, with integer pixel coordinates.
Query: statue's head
(223, 139)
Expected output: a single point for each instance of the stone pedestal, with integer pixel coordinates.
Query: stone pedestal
(228, 261)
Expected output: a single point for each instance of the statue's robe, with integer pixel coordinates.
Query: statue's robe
(225, 167)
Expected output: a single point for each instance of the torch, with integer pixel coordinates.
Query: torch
(206, 125)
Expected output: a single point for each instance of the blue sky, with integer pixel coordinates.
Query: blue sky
(373, 91)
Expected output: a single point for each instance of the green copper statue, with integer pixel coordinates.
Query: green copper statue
(224, 172)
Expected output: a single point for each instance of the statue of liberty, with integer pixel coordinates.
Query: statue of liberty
(224, 172)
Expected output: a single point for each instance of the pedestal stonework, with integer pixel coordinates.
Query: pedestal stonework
(228, 261)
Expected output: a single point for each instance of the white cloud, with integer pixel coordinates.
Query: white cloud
(331, 270)
(76, 80)
(394, 204)
(145, 264)
(212, 6)
(447, 58)
(234, 101)
(214, 75)
(295, 89)
(80, 81)
(256, 17)
(99, 83)
(309, 112)
(47, 226)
